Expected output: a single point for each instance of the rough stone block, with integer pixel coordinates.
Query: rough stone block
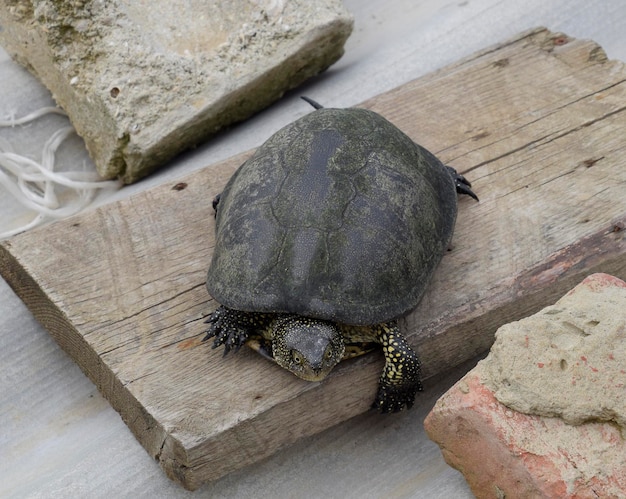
(142, 81)
(544, 415)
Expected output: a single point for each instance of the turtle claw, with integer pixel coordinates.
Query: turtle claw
(226, 330)
(463, 186)
(393, 398)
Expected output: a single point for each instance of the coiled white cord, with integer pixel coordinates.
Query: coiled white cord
(34, 185)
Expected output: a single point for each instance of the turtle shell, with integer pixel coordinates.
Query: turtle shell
(338, 216)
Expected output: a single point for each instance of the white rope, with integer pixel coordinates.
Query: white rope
(32, 116)
(34, 184)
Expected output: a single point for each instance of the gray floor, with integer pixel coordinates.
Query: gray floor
(60, 438)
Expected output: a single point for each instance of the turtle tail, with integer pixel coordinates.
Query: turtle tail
(315, 104)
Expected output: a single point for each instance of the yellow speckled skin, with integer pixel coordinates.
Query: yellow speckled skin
(316, 346)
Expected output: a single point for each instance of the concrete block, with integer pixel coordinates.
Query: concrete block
(142, 81)
(543, 415)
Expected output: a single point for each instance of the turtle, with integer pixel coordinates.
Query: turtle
(325, 237)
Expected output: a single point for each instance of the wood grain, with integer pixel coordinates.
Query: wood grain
(536, 123)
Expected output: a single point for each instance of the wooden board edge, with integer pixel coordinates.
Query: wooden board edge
(145, 428)
(525, 294)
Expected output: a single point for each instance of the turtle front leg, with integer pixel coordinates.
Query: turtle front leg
(232, 328)
(400, 380)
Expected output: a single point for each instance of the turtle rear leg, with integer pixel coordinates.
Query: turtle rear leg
(400, 380)
(215, 203)
(463, 186)
(232, 328)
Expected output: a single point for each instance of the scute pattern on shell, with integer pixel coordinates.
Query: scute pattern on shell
(338, 216)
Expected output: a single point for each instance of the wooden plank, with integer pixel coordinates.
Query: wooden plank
(536, 123)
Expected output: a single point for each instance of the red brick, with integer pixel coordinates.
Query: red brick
(505, 453)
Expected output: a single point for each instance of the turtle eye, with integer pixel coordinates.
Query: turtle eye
(328, 354)
(296, 357)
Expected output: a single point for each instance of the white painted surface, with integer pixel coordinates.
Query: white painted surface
(60, 438)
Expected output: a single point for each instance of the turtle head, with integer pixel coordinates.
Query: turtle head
(309, 348)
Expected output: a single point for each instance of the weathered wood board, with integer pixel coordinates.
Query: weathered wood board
(536, 123)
